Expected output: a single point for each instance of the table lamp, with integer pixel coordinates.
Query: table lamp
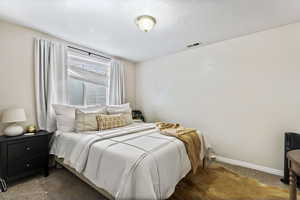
(13, 116)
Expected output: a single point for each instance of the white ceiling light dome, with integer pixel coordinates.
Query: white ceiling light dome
(145, 22)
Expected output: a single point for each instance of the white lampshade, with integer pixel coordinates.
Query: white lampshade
(145, 22)
(13, 115)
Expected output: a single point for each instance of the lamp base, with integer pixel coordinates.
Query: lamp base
(13, 130)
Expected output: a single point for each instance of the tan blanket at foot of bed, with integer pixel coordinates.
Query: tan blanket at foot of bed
(188, 136)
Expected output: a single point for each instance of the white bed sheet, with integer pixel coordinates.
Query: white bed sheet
(133, 162)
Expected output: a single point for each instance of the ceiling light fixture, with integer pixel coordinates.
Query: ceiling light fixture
(145, 22)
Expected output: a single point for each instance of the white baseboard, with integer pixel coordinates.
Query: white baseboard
(250, 165)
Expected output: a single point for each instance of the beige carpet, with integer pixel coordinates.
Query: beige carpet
(62, 185)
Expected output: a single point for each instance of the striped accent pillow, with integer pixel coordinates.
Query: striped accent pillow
(85, 119)
(113, 121)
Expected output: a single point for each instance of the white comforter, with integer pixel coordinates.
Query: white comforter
(133, 162)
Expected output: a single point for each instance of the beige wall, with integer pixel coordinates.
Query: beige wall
(17, 72)
(243, 94)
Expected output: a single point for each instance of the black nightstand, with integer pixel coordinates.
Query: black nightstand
(22, 156)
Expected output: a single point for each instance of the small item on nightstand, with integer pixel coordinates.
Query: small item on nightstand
(138, 115)
(13, 116)
(29, 134)
(31, 129)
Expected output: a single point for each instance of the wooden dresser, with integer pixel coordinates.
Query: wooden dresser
(22, 156)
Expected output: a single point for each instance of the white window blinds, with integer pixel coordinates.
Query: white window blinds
(88, 79)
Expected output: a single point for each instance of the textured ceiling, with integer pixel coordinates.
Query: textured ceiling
(108, 25)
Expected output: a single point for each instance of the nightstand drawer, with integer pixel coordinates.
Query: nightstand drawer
(26, 149)
(21, 166)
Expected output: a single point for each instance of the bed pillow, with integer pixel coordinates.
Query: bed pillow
(113, 121)
(65, 110)
(118, 109)
(85, 119)
(65, 124)
(65, 116)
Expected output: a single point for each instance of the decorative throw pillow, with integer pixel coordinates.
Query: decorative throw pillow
(65, 123)
(118, 109)
(85, 119)
(65, 115)
(113, 121)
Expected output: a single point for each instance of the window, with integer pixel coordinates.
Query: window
(88, 78)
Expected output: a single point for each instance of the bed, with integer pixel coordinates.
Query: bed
(131, 162)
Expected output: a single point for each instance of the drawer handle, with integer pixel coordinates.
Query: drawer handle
(27, 165)
(28, 148)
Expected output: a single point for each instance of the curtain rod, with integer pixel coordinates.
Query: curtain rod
(90, 53)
